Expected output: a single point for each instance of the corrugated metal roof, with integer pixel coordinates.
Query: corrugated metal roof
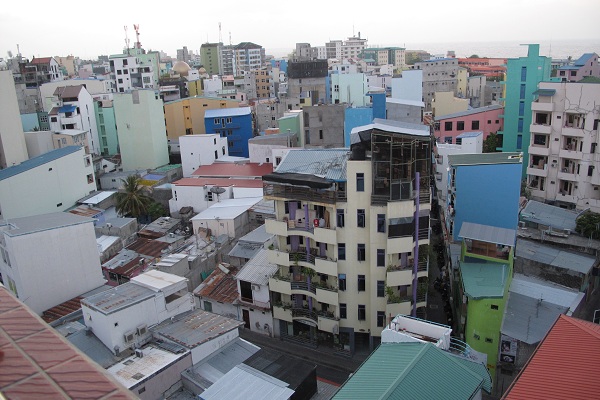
(564, 366)
(229, 170)
(412, 371)
(227, 112)
(581, 61)
(219, 285)
(469, 135)
(545, 290)
(258, 270)
(37, 161)
(227, 209)
(489, 234)
(117, 298)
(485, 158)
(42, 222)
(549, 215)
(246, 383)
(245, 250)
(484, 280)
(326, 163)
(193, 328)
(387, 125)
(554, 256)
(468, 112)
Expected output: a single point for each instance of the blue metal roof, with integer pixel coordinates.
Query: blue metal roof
(583, 59)
(227, 112)
(37, 161)
(469, 134)
(67, 108)
(326, 163)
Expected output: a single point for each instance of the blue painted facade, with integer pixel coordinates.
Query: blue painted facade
(233, 124)
(356, 117)
(280, 63)
(486, 194)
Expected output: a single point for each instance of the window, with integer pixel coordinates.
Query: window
(342, 282)
(380, 318)
(590, 170)
(360, 182)
(381, 257)
(519, 142)
(343, 311)
(362, 312)
(209, 196)
(341, 251)
(361, 283)
(540, 140)
(381, 223)
(573, 73)
(448, 125)
(522, 94)
(380, 288)
(207, 306)
(520, 125)
(448, 139)
(361, 255)
(460, 126)
(321, 134)
(474, 124)
(593, 149)
(596, 122)
(523, 74)
(521, 108)
(340, 218)
(360, 218)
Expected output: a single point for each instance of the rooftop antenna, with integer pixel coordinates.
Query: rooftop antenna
(138, 44)
(126, 39)
(220, 35)
(230, 38)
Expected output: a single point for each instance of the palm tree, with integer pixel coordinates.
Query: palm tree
(132, 201)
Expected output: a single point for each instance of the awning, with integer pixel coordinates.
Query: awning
(67, 108)
(291, 178)
(545, 92)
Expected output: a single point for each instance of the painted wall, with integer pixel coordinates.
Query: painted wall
(236, 128)
(356, 117)
(13, 149)
(197, 150)
(107, 128)
(186, 116)
(409, 86)
(487, 195)
(486, 122)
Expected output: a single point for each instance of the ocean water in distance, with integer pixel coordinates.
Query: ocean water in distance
(557, 49)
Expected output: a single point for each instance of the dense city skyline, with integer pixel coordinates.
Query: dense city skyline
(60, 31)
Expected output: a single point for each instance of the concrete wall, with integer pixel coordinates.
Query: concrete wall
(13, 149)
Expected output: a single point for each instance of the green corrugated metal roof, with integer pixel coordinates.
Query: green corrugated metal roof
(413, 371)
(484, 280)
(485, 158)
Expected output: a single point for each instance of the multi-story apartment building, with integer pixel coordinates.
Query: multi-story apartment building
(210, 57)
(523, 75)
(448, 127)
(306, 81)
(107, 127)
(563, 166)
(13, 149)
(324, 125)
(439, 75)
(248, 56)
(141, 129)
(395, 56)
(351, 235)
(586, 65)
(333, 49)
(353, 47)
(235, 124)
(135, 68)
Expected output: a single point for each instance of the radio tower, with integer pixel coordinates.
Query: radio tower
(126, 39)
(138, 44)
(220, 35)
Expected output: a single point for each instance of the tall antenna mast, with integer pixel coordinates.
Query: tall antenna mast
(138, 44)
(126, 39)
(230, 38)
(220, 35)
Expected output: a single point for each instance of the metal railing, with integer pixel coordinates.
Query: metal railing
(304, 313)
(297, 193)
(459, 347)
(304, 286)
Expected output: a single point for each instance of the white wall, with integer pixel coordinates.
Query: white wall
(199, 353)
(38, 142)
(263, 153)
(197, 150)
(195, 196)
(241, 192)
(13, 149)
(52, 266)
(409, 86)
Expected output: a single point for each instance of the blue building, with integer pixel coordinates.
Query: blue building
(233, 123)
(483, 189)
(359, 116)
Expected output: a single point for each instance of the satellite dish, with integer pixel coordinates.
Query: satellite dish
(217, 190)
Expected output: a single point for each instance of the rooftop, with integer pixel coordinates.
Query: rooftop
(158, 280)
(38, 360)
(390, 126)
(406, 370)
(405, 102)
(485, 158)
(220, 285)
(469, 135)
(97, 197)
(469, 112)
(118, 298)
(68, 91)
(258, 269)
(488, 234)
(484, 280)
(38, 161)
(148, 247)
(326, 163)
(548, 215)
(42, 222)
(228, 208)
(222, 182)
(227, 112)
(193, 328)
(229, 170)
(564, 365)
(553, 256)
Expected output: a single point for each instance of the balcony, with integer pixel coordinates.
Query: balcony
(540, 106)
(404, 308)
(540, 128)
(567, 174)
(286, 228)
(486, 249)
(539, 150)
(280, 285)
(282, 312)
(572, 131)
(306, 316)
(327, 295)
(571, 153)
(303, 288)
(287, 192)
(538, 170)
(328, 322)
(403, 244)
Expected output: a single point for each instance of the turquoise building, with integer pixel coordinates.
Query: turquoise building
(107, 127)
(523, 75)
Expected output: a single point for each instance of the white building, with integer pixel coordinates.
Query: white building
(120, 317)
(49, 259)
(129, 71)
(353, 47)
(51, 182)
(13, 149)
(227, 217)
(470, 143)
(197, 150)
(563, 166)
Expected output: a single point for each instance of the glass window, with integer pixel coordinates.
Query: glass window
(361, 283)
(460, 126)
(521, 108)
(342, 281)
(361, 255)
(381, 223)
(381, 257)
(362, 312)
(341, 251)
(360, 218)
(380, 288)
(343, 311)
(207, 306)
(360, 182)
(519, 142)
(340, 218)
(380, 318)
(522, 94)
(520, 125)
(523, 73)
(474, 125)
(448, 125)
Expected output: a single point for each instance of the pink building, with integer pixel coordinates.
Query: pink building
(586, 65)
(483, 119)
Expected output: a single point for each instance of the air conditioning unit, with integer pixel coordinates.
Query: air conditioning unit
(139, 353)
(141, 330)
(255, 287)
(128, 336)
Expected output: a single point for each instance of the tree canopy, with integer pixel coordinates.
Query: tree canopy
(132, 200)
(490, 143)
(588, 224)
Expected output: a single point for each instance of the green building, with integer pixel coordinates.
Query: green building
(107, 127)
(481, 284)
(523, 75)
(292, 123)
(209, 57)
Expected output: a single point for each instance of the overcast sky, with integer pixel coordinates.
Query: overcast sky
(88, 29)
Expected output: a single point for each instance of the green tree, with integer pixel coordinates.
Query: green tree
(490, 143)
(156, 210)
(473, 56)
(132, 200)
(588, 224)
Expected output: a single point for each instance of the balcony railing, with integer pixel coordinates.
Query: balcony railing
(421, 266)
(297, 193)
(305, 313)
(459, 347)
(256, 303)
(299, 285)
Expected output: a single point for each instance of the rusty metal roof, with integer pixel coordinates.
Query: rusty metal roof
(220, 286)
(148, 247)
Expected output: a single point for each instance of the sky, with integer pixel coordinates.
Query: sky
(89, 29)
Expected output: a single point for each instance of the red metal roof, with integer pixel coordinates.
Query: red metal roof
(220, 286)
(223, 182)
(148, 247)
(565, 365)
(37, 362)
(41, 60)
(228, 170)
(63, 309)
(131, 269)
